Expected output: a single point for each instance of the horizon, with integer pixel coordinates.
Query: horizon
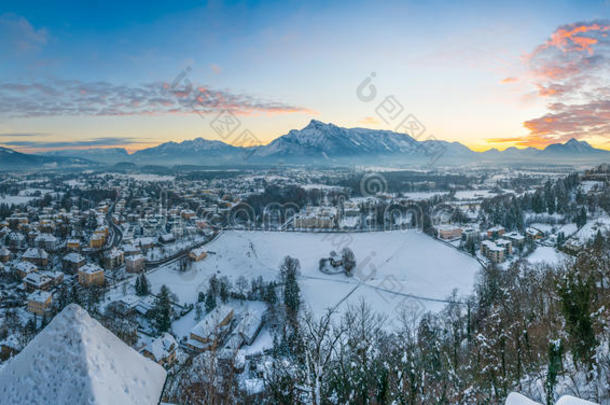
(131, 152)
(137, 76)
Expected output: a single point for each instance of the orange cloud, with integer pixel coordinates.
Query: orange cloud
(509, 80)
(369, 121)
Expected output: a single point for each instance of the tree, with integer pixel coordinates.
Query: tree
(576, 292)
(162, 310)
(292, 300)
(349, 260)
(555, 352)
(210, 302)
(198, 312)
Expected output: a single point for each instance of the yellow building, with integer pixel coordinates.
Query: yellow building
(97, 241)
(91, 275)
(40, 302)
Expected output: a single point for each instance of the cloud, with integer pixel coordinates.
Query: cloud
(369, 121)
(76, 98)
(509, 80)
(17, 34)
(89, 143)
(572, 71)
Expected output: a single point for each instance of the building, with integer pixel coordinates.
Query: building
(449, 231)
(5, 255)
(198, 254)
(37, 281)
(24, 268)
(72, 262)
(208, 333)
(496, 232)
(316, 218)
(517, 239)
(36, 256)
(135, 264)
(114, 258)
(97, 241)
(506, 245)
(532, 233)
(39, 302)
(162, 350)
(91, 275)
(73, 244)
(491, 251)
(46, 241)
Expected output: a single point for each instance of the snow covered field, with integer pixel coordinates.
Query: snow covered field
(391, 266)
(547, 255)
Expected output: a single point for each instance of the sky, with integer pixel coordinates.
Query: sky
(77, 75)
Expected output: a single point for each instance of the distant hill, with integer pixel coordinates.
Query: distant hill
(10, 159)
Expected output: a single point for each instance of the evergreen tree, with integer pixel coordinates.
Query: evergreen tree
(555, 353)
(210, 302)
(162, 310)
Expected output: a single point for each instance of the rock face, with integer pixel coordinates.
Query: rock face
(75, 360)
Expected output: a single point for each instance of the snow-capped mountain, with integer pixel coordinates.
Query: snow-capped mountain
(329, 140)
(197, 151)
(327, 144)
(571, 147)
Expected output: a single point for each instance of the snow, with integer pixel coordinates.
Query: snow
(547, 255)
(75, 360)
(15, 199)
(390, 265)
(569, 400)
(515, 398)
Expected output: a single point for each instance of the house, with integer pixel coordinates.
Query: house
(10, 347)
(208, 333)
(16, 240)
(37, 256)
(46, 241)
(5, 255)
(91, 275)
(72, 262)
(496, 232)
(506, 245)
(37, 281)
(162, 350)
(131, 250)
(447, 231)
(135, 264)
(114, 258)
(250, 326)
(97, 241)
(39, 302)
(198, 254)
(517, 239)
(532, 233)
(24, 268)
(316, 217)
(492, 251)
(73, 244)
(167, 238)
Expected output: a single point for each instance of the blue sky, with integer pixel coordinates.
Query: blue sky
(77, 74)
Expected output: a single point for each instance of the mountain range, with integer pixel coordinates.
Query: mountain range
(317, 143)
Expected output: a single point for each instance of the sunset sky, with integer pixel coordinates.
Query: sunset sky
(135, 74)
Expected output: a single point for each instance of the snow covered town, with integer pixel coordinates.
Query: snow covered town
(202, 280)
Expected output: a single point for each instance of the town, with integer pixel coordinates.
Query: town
(183, 266)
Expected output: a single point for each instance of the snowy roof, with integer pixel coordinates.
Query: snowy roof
(90, 268)
(76, 360)
(38, 296)
(515, 398)
(74, 258)
(26, 267)
(569, 400)
(161, 347)
(208, 326)
(35, 253)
